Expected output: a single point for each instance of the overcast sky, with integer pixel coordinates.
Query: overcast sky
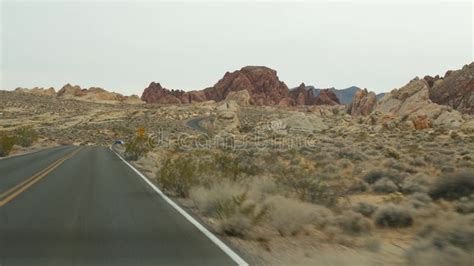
(124, 46)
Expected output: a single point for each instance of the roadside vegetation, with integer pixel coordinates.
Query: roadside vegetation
(336, 193)
(23, 136)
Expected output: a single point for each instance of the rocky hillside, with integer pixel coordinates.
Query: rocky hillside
(93, 94)
(262, 84)
(37, 90)
(411, 104)
(455, 89)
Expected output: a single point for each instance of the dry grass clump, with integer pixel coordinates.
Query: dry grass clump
(415, 183)
(376, 174)
(391, 215)
(353, 223)
(310, 187)
(453, 186)
(385, 185)
(364, 208)
(448, 241)
(289, 216)
(230, 205)
(465, 205)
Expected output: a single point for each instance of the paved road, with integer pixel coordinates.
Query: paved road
(87, 207)
(195, 123)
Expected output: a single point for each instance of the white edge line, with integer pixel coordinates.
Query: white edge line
(199, 226)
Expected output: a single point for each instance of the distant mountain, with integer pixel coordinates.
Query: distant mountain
(380, 95)
(345, 95)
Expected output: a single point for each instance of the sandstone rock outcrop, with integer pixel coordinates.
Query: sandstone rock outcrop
(39, 91)
(226, 117)
(94, 94)
(363, 103)
(412, 105)
(326, 97)
(242, 97)
(456, 89)
(303, 122)
(68, 91)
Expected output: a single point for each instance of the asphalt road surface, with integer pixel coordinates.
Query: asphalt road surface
(195, 123)
(85, 206)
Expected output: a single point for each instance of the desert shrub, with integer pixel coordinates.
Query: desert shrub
(25, 136)
(359, 186)
(391, 215)
(419, 200)
(465, 205)
(288, 216)
(209, 200)
(179, 175)
(364, 208)
(234, 165)
(353, 222)
(136, 148)
(417, 162)
(453, 186)
(447, 241)
(415, 183)
(385, 185)
(376, 174)
(420, 196)
(310, 187)
(391, 153)
(261, 186)
(230, 205)
(349, 154)
(6, 144)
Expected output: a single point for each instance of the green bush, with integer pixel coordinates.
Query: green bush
(234, 165)
(136, 148)
(179, 175)
(25, 136)
(6, 144)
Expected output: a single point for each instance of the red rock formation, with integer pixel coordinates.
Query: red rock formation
(422, 122)
(431, 80)
(456, 89)
(302, 96)
(326, 97)
(262, 84)
(157, 94)
(363, 102)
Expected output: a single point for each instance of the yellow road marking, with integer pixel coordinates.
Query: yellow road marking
(20, 188)
(29, 179)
